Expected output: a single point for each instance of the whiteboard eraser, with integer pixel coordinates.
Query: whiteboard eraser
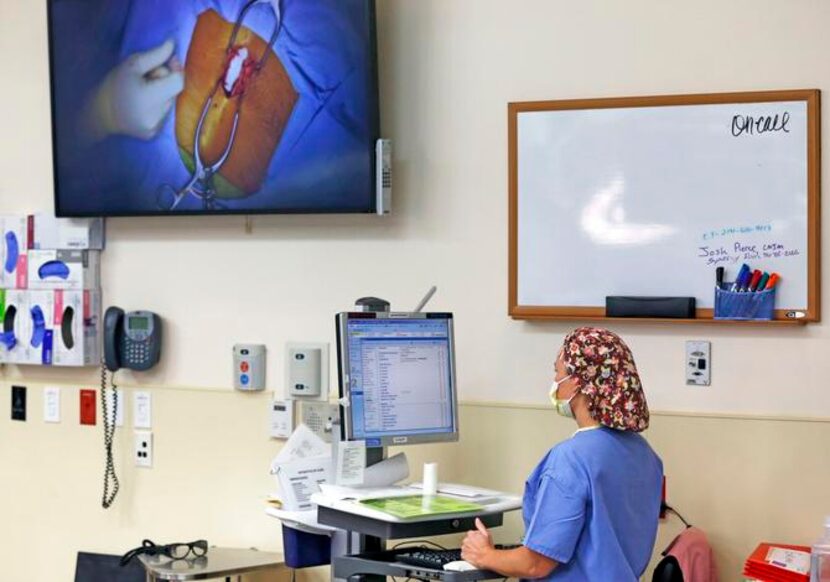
(664, 307)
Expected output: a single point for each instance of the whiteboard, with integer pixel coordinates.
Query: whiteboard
(649, 200)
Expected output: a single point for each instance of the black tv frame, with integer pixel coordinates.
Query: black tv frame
(374, 110)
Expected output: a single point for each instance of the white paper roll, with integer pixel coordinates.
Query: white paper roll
(430, 478)
(387, 472)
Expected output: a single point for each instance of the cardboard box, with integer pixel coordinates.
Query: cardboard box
(15, 244)
(63, 269)
(41, 313)
(52, 233)
(15, 331)
(77, 328)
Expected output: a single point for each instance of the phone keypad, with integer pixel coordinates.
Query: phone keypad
(136, 353)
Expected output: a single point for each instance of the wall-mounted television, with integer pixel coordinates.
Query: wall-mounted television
(165, 107)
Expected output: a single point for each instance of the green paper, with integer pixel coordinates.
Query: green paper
(420, 505)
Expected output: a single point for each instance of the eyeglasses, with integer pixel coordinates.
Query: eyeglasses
(177, 551)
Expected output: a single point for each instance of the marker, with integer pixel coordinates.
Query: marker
(763, 282)
(796, 314)
(753, 282)
(773, 281)
(736, 285)
(744, 282)
(719, 277)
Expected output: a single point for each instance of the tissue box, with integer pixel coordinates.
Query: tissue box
(52, 233)
(41, 314)
(15, 244)
(77, 328)
(15, 334)
(63, 269)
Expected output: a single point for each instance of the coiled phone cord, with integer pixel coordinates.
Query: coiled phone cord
(109, 432)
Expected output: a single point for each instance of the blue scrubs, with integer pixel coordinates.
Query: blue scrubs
(592, 504)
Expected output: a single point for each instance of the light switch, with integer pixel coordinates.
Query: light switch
(142, 410)
(51, 404)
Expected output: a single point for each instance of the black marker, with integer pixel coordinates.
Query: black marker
(719, 276)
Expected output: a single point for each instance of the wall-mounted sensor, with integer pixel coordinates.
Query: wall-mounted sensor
(249, 367)
(307, 370)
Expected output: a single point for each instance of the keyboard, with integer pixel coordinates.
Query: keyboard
(428, 558)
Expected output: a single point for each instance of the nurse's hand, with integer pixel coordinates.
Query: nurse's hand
(477, 545)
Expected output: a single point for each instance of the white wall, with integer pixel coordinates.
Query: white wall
(448, 69)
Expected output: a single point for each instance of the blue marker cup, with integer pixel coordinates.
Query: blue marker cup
(744, 306)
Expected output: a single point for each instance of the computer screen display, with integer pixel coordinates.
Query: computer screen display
(398, 375)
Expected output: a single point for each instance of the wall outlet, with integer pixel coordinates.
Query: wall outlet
(143, 448)
(698, 363)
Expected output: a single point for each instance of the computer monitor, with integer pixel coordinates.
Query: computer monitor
(397, 378)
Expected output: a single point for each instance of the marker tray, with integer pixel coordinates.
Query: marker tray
(747, 305)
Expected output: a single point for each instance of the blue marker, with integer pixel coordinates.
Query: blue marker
(736, 286)
(746, 281)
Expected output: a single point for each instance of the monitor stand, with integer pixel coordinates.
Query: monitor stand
(345, 542)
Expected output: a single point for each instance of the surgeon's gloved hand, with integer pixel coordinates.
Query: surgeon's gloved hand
(136, 96)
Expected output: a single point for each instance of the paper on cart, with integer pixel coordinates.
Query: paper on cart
(303, 444)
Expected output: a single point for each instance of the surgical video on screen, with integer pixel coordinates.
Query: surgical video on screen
(166, 106)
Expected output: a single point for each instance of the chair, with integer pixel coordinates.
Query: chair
(91, 567)
(688, 558)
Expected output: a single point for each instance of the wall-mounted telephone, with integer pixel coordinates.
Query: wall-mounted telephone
(131, 340)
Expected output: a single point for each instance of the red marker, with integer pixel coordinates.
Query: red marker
(773, 280)
(753, 283)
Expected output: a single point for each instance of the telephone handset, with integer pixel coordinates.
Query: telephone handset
(131, 340)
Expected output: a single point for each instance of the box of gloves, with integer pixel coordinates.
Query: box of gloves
(13, 248)
(64, 269)
(77, 328)
(15, 336)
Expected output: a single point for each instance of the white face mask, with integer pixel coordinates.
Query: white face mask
(563, 407)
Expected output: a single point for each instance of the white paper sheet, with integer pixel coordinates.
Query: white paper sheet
(300, 479)
(303, 444)
(351, 462)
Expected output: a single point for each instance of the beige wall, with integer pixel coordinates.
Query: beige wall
(448, 68)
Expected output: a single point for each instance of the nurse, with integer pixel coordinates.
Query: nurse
(592, 504)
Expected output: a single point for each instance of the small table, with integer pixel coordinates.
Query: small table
(216, 563)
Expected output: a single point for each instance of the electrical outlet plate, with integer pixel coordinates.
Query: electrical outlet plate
(698, 363)
(119, 410)
(143, 448)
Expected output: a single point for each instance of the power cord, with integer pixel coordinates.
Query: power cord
(668, 508)
(109, 432)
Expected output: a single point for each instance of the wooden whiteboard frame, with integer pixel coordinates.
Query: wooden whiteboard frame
(810, 96)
